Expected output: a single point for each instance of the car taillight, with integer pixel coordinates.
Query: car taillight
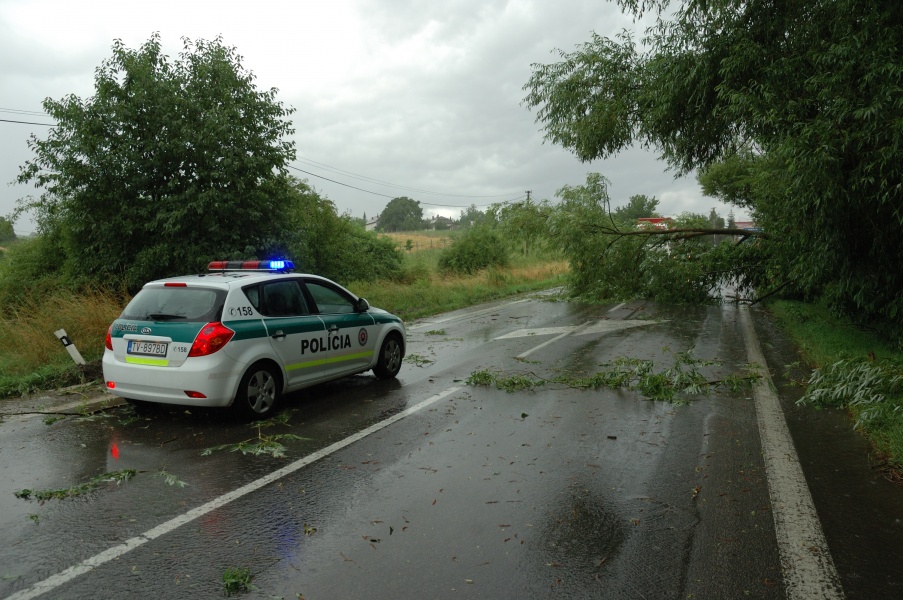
(109, 341)
(210, 339)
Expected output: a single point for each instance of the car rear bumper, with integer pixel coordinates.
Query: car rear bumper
(215, 377)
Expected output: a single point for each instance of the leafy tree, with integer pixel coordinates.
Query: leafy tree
(581, 226)
(733, 179)
(799, 100)
(638, 207)
(401, 214)
(473, 217)
(524, 221)
(169, 164)
(7, 233)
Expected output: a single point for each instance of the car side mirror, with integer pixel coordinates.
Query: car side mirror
(362, 305)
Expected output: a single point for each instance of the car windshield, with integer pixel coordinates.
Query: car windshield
(175, 304)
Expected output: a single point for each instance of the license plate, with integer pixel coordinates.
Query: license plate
(146, 348)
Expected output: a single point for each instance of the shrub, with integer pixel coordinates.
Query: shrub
(473, 250)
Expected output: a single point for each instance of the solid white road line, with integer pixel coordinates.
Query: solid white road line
(806, 561)
(55, 581)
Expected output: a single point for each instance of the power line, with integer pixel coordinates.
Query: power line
(370, 179)
(28, 123)
(388, 196)
(17, 111)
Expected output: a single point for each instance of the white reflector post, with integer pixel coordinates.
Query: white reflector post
(70, 347)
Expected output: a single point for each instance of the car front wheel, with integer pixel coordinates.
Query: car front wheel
(258, 392)
(389, 361)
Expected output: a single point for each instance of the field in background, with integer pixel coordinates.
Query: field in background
(420, 240)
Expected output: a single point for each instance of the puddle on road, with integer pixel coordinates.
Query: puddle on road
(583, 534)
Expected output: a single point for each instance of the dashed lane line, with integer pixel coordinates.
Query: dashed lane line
(55, 581)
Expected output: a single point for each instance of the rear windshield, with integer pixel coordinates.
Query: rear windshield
(175, 304)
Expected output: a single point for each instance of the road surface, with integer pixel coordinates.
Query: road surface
(428, 487)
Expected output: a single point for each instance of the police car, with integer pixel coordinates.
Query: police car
(242, 335)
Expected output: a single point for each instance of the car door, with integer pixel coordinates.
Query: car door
(351, 334)
(297, 336)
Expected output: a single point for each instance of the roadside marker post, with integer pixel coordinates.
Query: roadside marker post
(70, 347)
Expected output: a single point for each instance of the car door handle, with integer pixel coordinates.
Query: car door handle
(278, 335)
(333, 329)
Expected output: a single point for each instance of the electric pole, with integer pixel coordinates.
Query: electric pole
(528, 192)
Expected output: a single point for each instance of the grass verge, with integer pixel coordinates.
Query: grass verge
(31, 356)
(856, 370)
(429, 293)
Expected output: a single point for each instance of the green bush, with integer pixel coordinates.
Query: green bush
(473, 250)
(31, 267)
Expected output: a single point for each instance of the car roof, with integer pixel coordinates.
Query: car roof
(228, 279)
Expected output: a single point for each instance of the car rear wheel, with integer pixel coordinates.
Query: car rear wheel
(389, 361)
(258, 392)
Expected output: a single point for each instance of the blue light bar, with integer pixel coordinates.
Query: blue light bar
(251, 265)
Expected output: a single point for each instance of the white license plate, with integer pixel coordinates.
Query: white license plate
(146, 348)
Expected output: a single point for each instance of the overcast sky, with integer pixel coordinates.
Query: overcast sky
(414, 98)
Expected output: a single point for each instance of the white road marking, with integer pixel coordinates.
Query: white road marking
(601, 327)
(551, 341)
(475, 313)
(614, 308)
(806, 561)
(55, 581)
(537, 331)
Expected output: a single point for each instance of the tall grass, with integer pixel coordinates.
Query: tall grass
(847, 359)
(31, 356)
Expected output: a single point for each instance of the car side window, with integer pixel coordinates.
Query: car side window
(252, 293)
(329, 300)
(282, 299)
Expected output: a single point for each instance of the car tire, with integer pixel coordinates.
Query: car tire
(388, 363)
(258, 392)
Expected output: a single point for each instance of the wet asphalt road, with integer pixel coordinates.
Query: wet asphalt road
(467, 492)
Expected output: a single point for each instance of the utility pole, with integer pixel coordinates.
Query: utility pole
(528, 192)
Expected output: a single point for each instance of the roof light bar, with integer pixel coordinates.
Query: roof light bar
(251, 265)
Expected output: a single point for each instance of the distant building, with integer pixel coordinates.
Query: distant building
(654, 222)
(440, 223)
(371, 223)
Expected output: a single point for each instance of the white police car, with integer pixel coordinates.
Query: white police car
(243, 334)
